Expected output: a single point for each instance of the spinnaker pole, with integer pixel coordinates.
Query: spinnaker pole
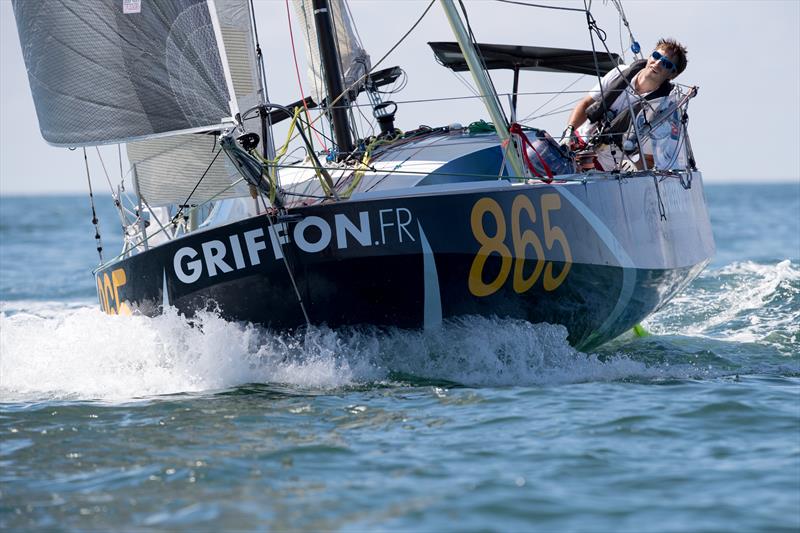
(481, 79)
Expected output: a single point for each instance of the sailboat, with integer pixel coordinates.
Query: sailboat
(401, 228)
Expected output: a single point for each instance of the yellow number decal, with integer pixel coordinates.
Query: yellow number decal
(489, 245)
(108, 295)
(119, 278)
(109, 292)
(101, 294)
(552, 234)
(522, 241)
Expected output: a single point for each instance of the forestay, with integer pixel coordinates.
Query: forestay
(106, 72)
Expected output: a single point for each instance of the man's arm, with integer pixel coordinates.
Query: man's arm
(569, 138)
(578, 116)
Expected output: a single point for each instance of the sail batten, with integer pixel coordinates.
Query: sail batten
(102, 75)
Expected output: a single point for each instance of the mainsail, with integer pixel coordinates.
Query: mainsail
(106, 72)
(355, 61)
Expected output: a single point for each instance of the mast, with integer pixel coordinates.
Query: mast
(480, 78)
(333, 76)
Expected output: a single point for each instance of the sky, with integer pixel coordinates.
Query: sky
(743, 55)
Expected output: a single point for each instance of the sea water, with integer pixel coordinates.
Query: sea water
(119, 423)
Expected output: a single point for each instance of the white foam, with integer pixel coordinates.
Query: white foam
(743, 302)
(62, 352)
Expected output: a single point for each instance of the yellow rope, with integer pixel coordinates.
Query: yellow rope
(364, 164)
(270, 165)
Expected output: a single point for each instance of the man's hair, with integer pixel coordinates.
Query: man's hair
(676, 50)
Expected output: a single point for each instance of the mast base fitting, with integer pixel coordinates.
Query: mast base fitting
(248, 141)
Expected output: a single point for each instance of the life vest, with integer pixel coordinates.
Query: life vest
(613, 125)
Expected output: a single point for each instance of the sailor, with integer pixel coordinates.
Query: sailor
(605, 114)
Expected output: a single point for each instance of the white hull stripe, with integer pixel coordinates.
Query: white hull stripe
(164, 293)
(624, 260)
(433, 298)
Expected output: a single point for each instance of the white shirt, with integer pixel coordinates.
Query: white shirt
(607, 159)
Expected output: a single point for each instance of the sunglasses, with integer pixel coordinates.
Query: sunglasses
(669, 65)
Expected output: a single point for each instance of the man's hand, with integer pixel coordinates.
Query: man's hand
(571, 140)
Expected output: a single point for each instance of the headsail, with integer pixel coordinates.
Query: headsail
(183, 168)
(354, 59)
(106, 72)
(168, 169)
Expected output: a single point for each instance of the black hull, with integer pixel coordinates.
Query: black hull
(596, 257)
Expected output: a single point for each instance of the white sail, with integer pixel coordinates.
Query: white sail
(168, 169)
(105, 72)
(354, 59)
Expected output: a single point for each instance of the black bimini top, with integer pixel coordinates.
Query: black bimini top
(538, 58)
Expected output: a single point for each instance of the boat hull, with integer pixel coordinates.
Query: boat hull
(597, 257)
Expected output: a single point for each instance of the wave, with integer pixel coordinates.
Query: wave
(731, 320)
(62, 352)
(743, 302)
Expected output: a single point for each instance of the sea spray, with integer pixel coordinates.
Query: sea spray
(81, 353)
(743, 301)
(337, 429)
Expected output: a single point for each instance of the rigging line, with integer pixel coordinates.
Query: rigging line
(403, 38)
(317, 131)
(542, 6)
(482, 60)
(601, 35)
(95, 221)
(267, 130)
(196, 185)
(624, 20)
(332, 16)
(289, 271)
(465, 83)
(354, 133)
(382, 59)
(556, 112)
(297, 70)
(310, 125)
(165, 230)
(354, 128)
(262, 72)
(103, 164)
(308, 28)
(353, 21)
(561, 109)
(388, 172)
(448, 98)
(621, 46)
(119, 156)
(392, 49)
(370, 122)
(556, 95)
(114, 195)
(591, 23)
(300, 195)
